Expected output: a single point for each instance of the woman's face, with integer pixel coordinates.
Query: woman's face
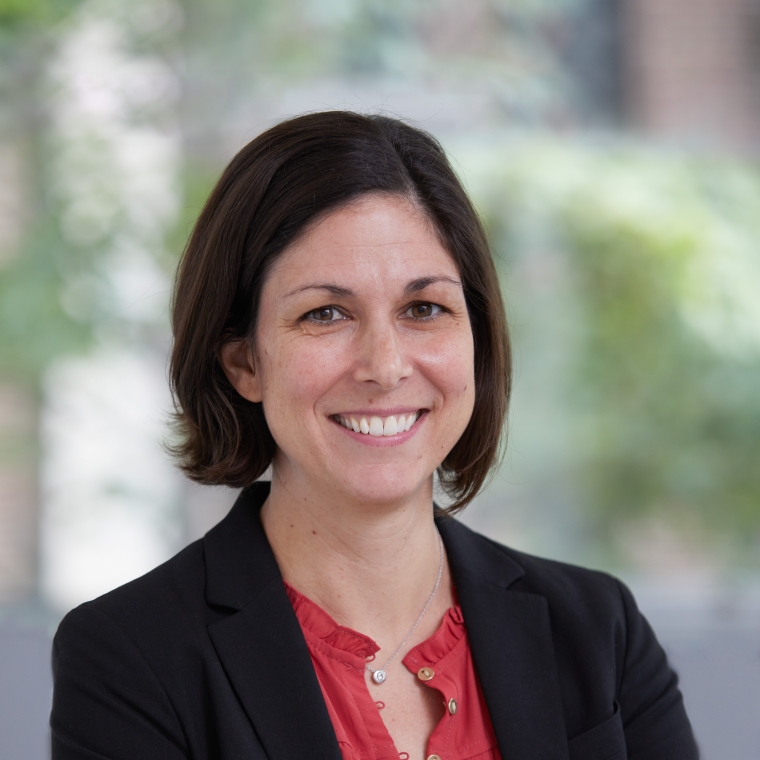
(363, 354)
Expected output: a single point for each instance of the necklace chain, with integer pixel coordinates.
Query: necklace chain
(378, 676)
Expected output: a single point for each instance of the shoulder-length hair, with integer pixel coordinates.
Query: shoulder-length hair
(272, 189)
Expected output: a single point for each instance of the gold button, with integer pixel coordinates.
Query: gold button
(452, 705)
(425, 674)
(434, 757)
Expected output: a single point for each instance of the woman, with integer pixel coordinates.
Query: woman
(337, 316)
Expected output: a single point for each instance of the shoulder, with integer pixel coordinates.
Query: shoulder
(590, 611)
(576, 590)
(171, 607)
(591, 615)
(569, 589)
(118, 664)
(605, 652)
(164, 607)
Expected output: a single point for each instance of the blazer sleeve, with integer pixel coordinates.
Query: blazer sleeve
(654, 719)
(107, 701)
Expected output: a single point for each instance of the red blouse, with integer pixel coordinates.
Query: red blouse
(442, 662)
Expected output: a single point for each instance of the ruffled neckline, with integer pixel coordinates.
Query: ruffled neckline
(350, 642)
(315, 620)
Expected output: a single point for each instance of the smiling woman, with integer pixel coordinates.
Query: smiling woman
(393, 343)
(389, 194)
(337, 315)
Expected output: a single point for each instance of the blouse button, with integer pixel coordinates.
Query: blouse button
(425, 674)
(452, 706)
(434, 757)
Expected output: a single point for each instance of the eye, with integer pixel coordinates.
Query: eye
(424, 310)
(324, 314)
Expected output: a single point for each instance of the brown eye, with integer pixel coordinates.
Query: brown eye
(423, 310)
(324, 314)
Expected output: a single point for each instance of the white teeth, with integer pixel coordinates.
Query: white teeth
(389, 428)
(376, 426)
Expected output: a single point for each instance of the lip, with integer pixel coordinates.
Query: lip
(384, 441)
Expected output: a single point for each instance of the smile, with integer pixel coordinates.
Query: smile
(378, 426)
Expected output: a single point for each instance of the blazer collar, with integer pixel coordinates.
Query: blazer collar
(262, 649)
(259, 641)
(511, 642)
(239, 560)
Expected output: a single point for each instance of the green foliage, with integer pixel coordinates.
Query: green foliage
(197, 183)
(674, 413)
(34, 328)
(661, 255)
(41, 13)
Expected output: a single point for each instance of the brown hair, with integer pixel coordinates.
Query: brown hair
(272, 189)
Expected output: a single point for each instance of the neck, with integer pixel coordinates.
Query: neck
(371, 567)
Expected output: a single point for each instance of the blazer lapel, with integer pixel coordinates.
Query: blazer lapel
(259, 641)
(511, 642)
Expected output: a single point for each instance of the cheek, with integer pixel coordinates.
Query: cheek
(451, 366)
(298, 374)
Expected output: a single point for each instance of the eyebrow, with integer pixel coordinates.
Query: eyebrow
(422, 282)
(336, 290)
(415, 286)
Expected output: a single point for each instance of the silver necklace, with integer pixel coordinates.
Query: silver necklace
(378, 676)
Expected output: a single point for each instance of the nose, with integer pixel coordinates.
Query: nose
(382, 358)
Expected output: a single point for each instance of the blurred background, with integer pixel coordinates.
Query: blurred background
(611, 147)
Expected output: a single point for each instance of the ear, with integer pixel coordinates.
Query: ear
(236, 358)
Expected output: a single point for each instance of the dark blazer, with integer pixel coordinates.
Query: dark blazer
(204, 658)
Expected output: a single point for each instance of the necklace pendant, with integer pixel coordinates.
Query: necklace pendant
(378, 676)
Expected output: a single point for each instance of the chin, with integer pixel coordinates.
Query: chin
(384, 488)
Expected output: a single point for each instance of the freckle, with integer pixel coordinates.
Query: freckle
(292, 526)
(314, 533)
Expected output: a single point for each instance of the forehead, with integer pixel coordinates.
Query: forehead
(374, 239)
